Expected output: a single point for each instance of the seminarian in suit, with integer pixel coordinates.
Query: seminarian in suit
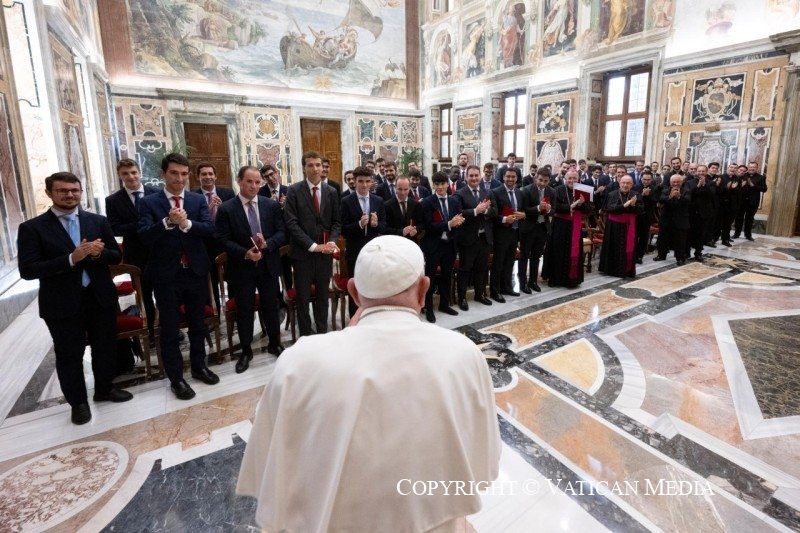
(313, 221)
(214, 196)
(250, 228)
(175, 225)
(474, 239)
(403, 216)
(363, 219)
(417, 190)
(124, 219)
(536, 203)
(326, 168)
(69, 250)
(507, 204)
(273, 188)
(441, 216)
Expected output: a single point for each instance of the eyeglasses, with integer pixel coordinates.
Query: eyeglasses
(65, 192)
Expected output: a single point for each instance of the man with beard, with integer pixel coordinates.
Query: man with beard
(511, 161)
(753, 185)
(386, 190)
(507, 205)
(618, 253)
(537, 204)
(474, 239)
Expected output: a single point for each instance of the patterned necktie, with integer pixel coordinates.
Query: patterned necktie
(513, 198)
(75, 234)
(475, 194)
(212, 209)
(252, 218)
(315, 197)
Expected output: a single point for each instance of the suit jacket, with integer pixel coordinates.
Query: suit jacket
(44, 247)
(383, 191)
(124, 220)
(649, 202)
(303, 225)
(265, 191)
(224, 193)
(469, 232)
(501, 202)
(492, 185)
(502, 172)
(335, 185)
(437, 225)
(356, 236)
(459, 183)
(424, 192)
(233, 232)
(703, 200)
(675, 214)
(751, 196)
(167, 245)
(530, 204)
(395, 221)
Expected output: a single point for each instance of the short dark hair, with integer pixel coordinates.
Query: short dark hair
(67, 177)
(346, 172)
(488, 165)
(742, 166)
(647, 173)
(511, 154)
(178, 159)
(242, 171)
(597, 167)
(544, 171)
(266, 168)
(570, 162)
(674, 158)
(415, 173)
(380, 160)
(391, 164)
(362, 171)
(204, 164)
(581, 161)
(311, 154)
(476, 167)
(439, 177)
(126, 163)
(714, 164)
(326, 160)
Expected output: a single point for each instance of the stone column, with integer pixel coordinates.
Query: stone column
(786, 188)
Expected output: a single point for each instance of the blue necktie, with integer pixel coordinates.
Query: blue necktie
(75, 234)
(443, 201)
(252, 219)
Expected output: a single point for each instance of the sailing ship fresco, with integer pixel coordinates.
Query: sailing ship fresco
(337, 45)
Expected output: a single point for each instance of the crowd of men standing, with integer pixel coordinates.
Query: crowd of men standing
(470, 222)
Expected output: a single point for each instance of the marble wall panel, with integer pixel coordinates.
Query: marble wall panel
(705, 148)
(552, 152)
(718, 99)
(553, 117)
(765, 93)
(265, 138)
(757, 147)
(142, 134)
(387, 136)
(676, 94)
(553, 126)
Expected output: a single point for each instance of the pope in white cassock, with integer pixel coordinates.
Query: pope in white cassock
(350, 420)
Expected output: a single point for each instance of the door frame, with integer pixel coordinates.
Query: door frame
(348, 136)
(230, 121)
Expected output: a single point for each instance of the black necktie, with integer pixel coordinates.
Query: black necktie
(443, 202)
(136, 196)
(475, 194)
(403, 208)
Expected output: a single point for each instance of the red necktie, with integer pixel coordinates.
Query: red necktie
(211, 208)
(315, 197)
(177, 200)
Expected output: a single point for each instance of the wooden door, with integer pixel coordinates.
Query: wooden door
(208, 142)
(325, 137)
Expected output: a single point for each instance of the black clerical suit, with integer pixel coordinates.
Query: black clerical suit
(396, 220)
(474, 242)
(234, 232)
(124, 219)
(307, 226)
(74, 313)
(420, 193)
(533, 231)
(506, 238)
(647, 217)
(356, 235)
(702, 210)
(178, 267)
(674, 224)
(751, 200)
(438, 245)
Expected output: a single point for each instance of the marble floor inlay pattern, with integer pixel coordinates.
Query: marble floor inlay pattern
(683, 376)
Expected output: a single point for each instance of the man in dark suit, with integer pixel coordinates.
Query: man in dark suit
(423, 179)
(456, 182)
(175, 225)
(386, 190)
(753, 185)
(474, 239)
(326, 168)
(702, 210)
(69, 251)
(380, 167)
(363, 219)
(461, 167)
(674, 223)
(488, 181)
(441, 215)
(250, 229)
(537, 204)
(530, 178)
(507, 204)
(272, 188)
(651, 195)
(511, 161)
(402, 212)
(350, 183)
(313, 221)
(214, 196)
(417, 190)
(124, 219)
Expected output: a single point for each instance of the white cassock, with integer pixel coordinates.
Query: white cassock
(348, 415)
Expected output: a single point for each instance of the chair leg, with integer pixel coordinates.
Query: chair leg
(229, 330)
(157, 341)
(219, 348)
(292, 318)
(145, 354)
(343, 307)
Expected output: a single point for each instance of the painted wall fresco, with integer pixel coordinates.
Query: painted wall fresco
(441, 63)
(468, 135)
(560, 26)
(512, 28)
(729, 114)
(143, 134)
(347, 46)
(473, 49)
(386, 136)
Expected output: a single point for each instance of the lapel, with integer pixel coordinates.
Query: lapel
(83, 221)
(165, 203)
(263, 211)
(127, 201)
(242, 215)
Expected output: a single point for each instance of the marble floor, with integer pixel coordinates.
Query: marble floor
(666, 403)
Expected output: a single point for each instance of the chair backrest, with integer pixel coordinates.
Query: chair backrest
(136, 281)
(221, 262)
(284, 251)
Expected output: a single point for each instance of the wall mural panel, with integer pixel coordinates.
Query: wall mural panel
(141, 130)
(511, 37)
(553, 117)
(718, 99)
(386, 136)
(473, 49)
(344, 46)
(619, 18)
(552, 127)
(560, 26)
(468, 135)
(265, 137)
(442, 63)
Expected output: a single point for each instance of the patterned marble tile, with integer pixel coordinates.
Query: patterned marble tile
(578, 363)
(673, 280)
(758, 279)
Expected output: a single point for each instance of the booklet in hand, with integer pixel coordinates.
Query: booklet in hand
(584, 191)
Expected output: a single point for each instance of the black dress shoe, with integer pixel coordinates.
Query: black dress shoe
(498, 298)
(243, 363)
(207, 376)
(698, 258)
(526, 289)
(81, 414)
(750, 239)
(463, 305)
(736, 236)
(114, 395)
(182, 390)
(511, 293)
(275, 349)
(711, 245)
(483, 300)
(430, 316)
(639, 261)
(727, 243)
(659, 258)
(535, 286)
(446, 309)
